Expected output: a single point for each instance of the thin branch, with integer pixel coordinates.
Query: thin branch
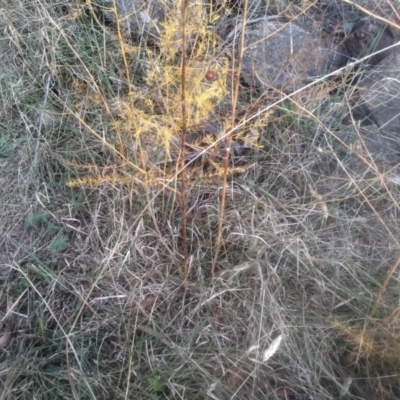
(183, 140)
(229, 139)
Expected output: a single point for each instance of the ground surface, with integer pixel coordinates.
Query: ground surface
(103, 297)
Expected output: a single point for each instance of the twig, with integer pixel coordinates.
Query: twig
(229, 140)
(183, 140)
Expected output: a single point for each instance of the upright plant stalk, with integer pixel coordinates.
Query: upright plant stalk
(183, 140)
(229, 139)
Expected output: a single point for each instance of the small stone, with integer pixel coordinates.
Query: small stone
(367, 37)
(285, 56)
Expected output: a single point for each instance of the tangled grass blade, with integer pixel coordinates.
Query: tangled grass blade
(272, 349)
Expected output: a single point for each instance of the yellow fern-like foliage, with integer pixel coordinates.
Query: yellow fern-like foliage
(148, 120)
(165, 72)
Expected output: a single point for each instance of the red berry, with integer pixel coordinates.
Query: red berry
(210, 75)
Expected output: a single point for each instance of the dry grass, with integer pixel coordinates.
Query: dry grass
(94, 303)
